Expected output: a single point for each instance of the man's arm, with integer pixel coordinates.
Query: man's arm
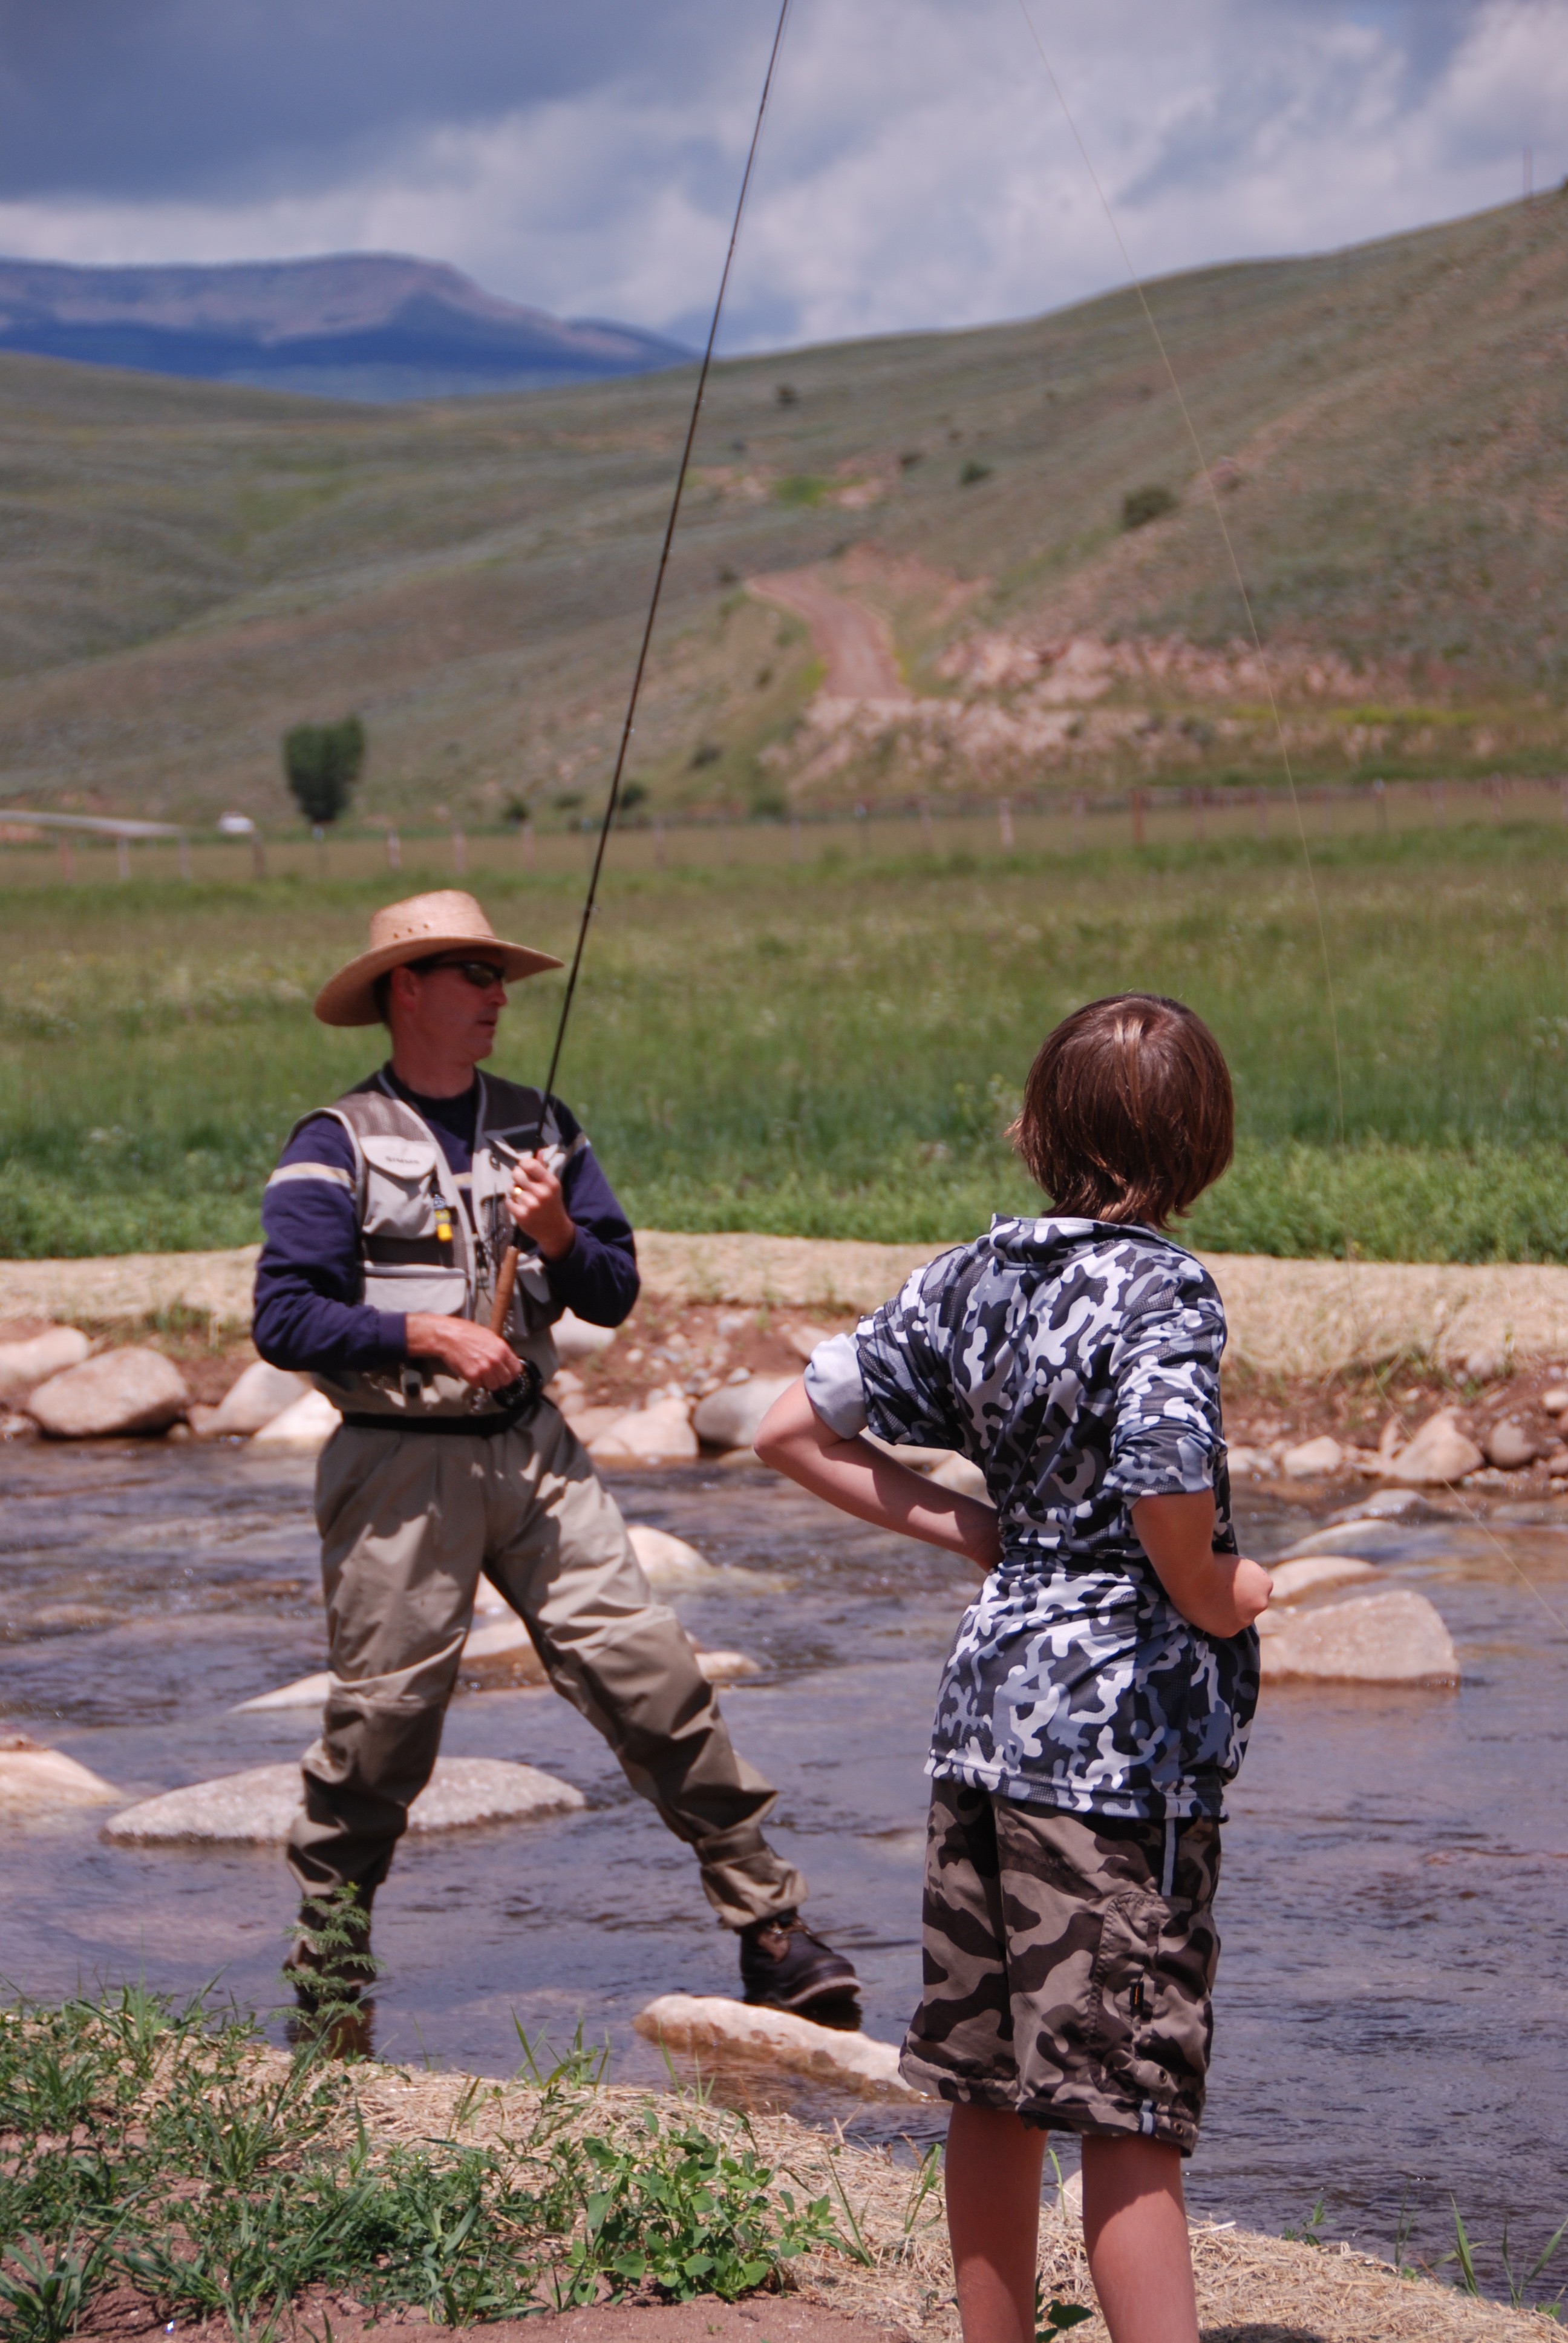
(1218, 1593)
(860, 1480)
(308, 1313)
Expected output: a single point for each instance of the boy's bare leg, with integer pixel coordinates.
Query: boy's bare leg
(1135, 2229)
(994, 2167)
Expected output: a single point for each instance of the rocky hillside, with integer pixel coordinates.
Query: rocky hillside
(1022, 516)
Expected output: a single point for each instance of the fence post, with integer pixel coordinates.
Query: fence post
(123, 857)
(184, 857)
(257, 856)
(529, 843)
(1497, 797)
(460, 854)
(1326, 797)
(797, 848)
(68, 852)
(861, 832)
(393, 851)
(1137, 816)
(1379, 799)
(1078, 813)
(659, 841)
(319, 834)
(1262, 800)
(1004, 824)
(1195, 799)
(929, 840)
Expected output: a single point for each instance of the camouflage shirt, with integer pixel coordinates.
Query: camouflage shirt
(1077, 1363)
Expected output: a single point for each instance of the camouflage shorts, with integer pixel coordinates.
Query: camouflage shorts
(1069, 1962)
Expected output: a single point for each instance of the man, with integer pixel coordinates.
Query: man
(385, 1224)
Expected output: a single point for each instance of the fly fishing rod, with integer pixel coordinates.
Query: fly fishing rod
(508, 1277)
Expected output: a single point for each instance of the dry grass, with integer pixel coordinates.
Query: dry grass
(1252, 2289)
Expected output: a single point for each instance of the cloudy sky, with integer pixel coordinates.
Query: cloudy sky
(915, 170)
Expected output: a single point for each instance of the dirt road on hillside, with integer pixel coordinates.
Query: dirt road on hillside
(853, 643)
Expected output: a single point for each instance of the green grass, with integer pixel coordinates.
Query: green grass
(835, 1049)
(145, 2145)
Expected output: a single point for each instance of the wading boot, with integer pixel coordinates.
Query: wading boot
(784, 1967)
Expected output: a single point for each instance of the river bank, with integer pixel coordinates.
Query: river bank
(1287, 1318)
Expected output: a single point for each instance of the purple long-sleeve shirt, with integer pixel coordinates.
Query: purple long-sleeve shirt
(309, 1315)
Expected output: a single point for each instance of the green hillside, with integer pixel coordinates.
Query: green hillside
(185, 571)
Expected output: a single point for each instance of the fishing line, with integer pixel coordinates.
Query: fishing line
(1136, 281)
(589, 898)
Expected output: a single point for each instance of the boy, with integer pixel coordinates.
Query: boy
(1099, 1693)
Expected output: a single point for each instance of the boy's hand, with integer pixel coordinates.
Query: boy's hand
(1219, 1592)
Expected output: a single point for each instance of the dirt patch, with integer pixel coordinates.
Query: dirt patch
(852, 642)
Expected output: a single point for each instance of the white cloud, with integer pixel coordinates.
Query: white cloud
(916, 170)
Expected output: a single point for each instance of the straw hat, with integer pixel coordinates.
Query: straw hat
(447, 921)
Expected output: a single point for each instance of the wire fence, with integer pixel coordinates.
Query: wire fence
(1058, 824)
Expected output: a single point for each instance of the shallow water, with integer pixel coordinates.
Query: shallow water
(1392, 1996)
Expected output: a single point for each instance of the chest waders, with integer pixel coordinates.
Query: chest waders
(409, 1522)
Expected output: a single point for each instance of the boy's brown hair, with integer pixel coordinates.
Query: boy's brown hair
(1127, 1113)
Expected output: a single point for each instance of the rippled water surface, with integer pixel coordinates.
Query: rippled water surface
(1392, 1993)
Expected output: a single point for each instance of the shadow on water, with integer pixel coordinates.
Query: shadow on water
(1392, 1993)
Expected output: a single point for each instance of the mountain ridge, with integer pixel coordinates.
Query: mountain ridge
(380, 327)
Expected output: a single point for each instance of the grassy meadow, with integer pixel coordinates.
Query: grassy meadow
(834, 1047)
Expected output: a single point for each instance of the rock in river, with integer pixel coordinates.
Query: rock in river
(35, 1781)
(24, 1365)
(775, 2037)
(668, 1561)
(1397, 1638)
(1509, 1445)
(259, 1806)
(306, 1426)
(1312, 1458)
(1316, 1574)
(118, 1393)
(256, 1400)
(660, 1434)
(1440, 1453)
(729, 1417)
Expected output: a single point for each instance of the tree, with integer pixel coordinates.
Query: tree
(323, 763)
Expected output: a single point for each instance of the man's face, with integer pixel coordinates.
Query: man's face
(450, 1009)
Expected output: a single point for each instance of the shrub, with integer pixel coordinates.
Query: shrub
(1141, 506)
(973, 471)
(323, 763)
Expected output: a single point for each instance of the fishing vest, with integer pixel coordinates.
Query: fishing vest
(419, 1248)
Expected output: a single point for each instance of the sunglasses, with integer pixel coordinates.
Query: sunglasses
(480, 973)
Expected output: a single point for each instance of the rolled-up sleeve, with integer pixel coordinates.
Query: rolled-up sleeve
(833, 1385)
(1166, 1438)
(904, 1350)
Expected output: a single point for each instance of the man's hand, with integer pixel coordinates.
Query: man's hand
(538, 1209)
(470, 1352)
(1219, 1592)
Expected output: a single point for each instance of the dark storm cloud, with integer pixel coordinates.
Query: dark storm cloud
(157, 100)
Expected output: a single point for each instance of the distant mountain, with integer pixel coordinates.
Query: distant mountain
(367, 326)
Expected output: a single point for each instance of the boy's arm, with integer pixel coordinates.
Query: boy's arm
(860, 1480)
(1219, 1592)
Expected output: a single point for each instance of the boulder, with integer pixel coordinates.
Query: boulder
(1556, 1463)
(305, 1692)
(1315, 1574)
(1440, 1453)
(1249, 1464)
(117, 1394)
(1397, 1638)
(1509, 1446)
(1555, 1400)
(712, 2025)
(256, 1400)
(731, 1416)
(306, 1426)
(726, 1667)
(503, 1654)
(1312, 1458)
(803, 1340)
(660, 1434)
(960, 1474)
(34, 1780)
(668, 1561)
(258, 1807)
(590, 1424)
(24, 1365)
(17, 1427)
(575, 1338)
